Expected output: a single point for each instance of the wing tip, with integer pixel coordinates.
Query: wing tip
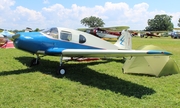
(159, 52)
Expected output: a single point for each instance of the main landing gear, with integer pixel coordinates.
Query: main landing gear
(35, 61)
(60, 70)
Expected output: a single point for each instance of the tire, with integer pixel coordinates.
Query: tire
(61, 71)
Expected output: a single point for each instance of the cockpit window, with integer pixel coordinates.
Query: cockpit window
(53, 32)
(66, 36)
(82, 39)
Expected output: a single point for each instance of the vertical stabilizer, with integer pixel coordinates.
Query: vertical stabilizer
(124, 41)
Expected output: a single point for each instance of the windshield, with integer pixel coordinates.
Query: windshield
(53, 32)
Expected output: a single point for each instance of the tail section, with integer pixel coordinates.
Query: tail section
(124, 41)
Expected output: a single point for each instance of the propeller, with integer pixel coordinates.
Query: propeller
(15, 36)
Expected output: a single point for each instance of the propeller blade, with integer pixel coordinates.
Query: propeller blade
(15, 36)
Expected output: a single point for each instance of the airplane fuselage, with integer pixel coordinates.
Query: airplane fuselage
(40, 42)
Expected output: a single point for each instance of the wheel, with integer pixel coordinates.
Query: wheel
(33, 62)
(61, 71)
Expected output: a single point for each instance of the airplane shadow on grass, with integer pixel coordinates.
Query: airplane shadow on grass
(79, 72)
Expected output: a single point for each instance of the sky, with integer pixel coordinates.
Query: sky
(19, 14)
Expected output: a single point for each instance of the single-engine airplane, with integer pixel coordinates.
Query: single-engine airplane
(4, 39)
(7, 34)
(105, 32)
(66, 42)
(151, 35)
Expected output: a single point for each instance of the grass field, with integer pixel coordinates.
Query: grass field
(97, 84)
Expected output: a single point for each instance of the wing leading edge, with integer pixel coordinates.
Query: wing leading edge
(104, 53)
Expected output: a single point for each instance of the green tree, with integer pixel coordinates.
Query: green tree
(179, 22)
(36, 30)
(160, 23)
(15, 31)
(92, 21)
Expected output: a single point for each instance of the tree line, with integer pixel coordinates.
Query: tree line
(158, 23)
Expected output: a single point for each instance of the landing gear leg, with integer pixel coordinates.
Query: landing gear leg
(35, 61)
(61, 70)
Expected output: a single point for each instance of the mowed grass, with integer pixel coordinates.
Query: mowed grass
(99, 84)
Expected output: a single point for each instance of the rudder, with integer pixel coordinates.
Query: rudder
(124, 41)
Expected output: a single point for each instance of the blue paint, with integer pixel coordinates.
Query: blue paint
(158, 52)
(122, 40)
(35, 41)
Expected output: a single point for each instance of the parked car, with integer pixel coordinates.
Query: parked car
(175, 35)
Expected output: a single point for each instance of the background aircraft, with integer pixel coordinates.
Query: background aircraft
(66, 42)
(4, 39)
(7, 34)
(150, 34)
(105, 32)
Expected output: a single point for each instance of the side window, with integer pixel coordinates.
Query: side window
(66, 36)
(82, 39)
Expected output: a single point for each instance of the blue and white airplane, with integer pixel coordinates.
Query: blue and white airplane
(6, 34)
(66, 42)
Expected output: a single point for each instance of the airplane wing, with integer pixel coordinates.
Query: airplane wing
(115, 28)
(104, 53)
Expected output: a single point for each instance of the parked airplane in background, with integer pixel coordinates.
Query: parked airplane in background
(7, 34)
(149, 34)
(66, 42)
(105, 32)
(4, 39)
